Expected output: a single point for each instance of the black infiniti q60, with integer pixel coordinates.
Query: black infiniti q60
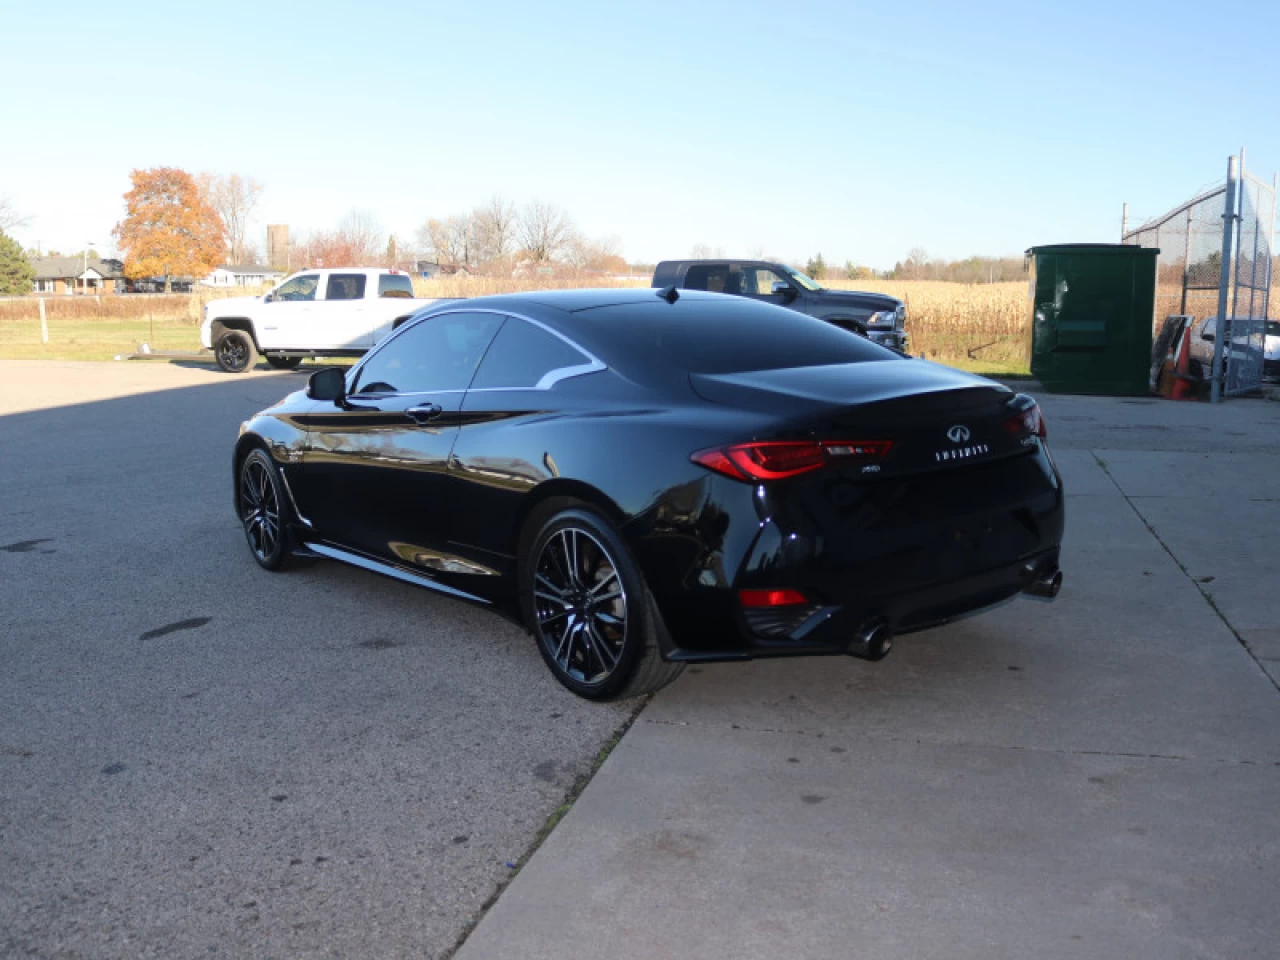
(649, 478)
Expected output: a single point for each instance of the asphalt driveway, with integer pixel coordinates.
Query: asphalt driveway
(198, 757)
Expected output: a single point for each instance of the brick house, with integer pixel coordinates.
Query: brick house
(70, 275)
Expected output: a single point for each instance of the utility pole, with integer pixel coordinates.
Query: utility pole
(84, 279)
(1124, 221)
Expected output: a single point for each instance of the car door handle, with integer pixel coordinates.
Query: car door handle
(424, 412)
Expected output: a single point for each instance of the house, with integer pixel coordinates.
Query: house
(68, 275)
(243, 275)
(429, 270)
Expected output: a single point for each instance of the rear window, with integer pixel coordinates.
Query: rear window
(345, 286)
(395, 285)
(1273, 328)
(732, 336)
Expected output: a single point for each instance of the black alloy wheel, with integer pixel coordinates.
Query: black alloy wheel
(264, 513)
(589, 610)
(235, 352)
(284, 363)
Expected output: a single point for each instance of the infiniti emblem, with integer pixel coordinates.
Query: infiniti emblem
(958, 434)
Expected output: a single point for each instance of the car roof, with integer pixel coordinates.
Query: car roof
(575, 301)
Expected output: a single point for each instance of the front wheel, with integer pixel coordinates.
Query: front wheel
(590, 611)
(264, 511)
(235, 351)
(283, 363)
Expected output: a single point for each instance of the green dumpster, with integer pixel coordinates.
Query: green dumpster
(1092, 312)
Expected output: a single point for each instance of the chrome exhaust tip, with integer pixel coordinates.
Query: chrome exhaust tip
(873, 641)
(1047, 586)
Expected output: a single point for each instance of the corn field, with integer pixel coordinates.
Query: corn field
(974, 324)
(980, 326)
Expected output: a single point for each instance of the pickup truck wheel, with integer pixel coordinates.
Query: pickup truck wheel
(284, 363)
(235, 352)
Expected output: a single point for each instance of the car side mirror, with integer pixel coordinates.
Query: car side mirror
(783, 289)
(1208, 335)
(269, 298)
(328, 384)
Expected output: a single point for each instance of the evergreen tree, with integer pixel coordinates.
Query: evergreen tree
(16, 273)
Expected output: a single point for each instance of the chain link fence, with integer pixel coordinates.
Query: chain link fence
(1235, 221)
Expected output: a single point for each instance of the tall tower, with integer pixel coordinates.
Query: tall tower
(278, 246)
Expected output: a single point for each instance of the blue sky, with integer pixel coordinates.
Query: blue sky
(859, 130)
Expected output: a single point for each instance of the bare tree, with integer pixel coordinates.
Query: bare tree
(9, 216)
(544, 230)
(600, 254)
(495, 229)
(235, 198)
(448, 240)
(360, 231)
(704, 251)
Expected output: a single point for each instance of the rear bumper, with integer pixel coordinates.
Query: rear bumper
(832, 628)
(909, 555)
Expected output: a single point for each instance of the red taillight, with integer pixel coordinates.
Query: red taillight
(779, 459)
(1029, 423)
(772, 598)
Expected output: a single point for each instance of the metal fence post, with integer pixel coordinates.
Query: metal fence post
(1271, 245)
(1186, 262)
(1224, 279)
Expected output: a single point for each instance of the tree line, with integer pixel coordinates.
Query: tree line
(918, 265)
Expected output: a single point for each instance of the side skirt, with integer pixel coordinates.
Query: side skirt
(387, 570)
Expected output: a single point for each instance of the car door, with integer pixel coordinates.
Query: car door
(286, 314)
(758, 284)
(373, 473)
(528, 376)
(344, 319)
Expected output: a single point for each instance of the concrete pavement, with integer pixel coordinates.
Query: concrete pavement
(1093, 778)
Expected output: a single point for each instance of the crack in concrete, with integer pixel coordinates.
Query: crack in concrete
(973, 744)
(1208, 598)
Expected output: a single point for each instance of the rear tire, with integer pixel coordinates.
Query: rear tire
(589, 610)
(283, 363)
(235, 352)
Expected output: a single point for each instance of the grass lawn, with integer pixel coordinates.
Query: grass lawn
(93, 339)
(999, 369)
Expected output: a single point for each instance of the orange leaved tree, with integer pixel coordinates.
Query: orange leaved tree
(168, 227)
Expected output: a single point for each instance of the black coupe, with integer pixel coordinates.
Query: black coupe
(649, 478)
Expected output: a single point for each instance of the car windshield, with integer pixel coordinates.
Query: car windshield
(807, 282)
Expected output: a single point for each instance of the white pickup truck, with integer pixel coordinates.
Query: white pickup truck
(337, 312)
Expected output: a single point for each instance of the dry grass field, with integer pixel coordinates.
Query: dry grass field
(984, 327)
(980, 327)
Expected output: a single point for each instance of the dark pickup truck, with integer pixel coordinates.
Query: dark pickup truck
(874, 315)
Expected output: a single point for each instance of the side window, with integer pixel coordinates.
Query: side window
(299, 288)
(759, 281)
(707, 276)
(521, 355)
(439, 353)
(395, 285)
(345, 286)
